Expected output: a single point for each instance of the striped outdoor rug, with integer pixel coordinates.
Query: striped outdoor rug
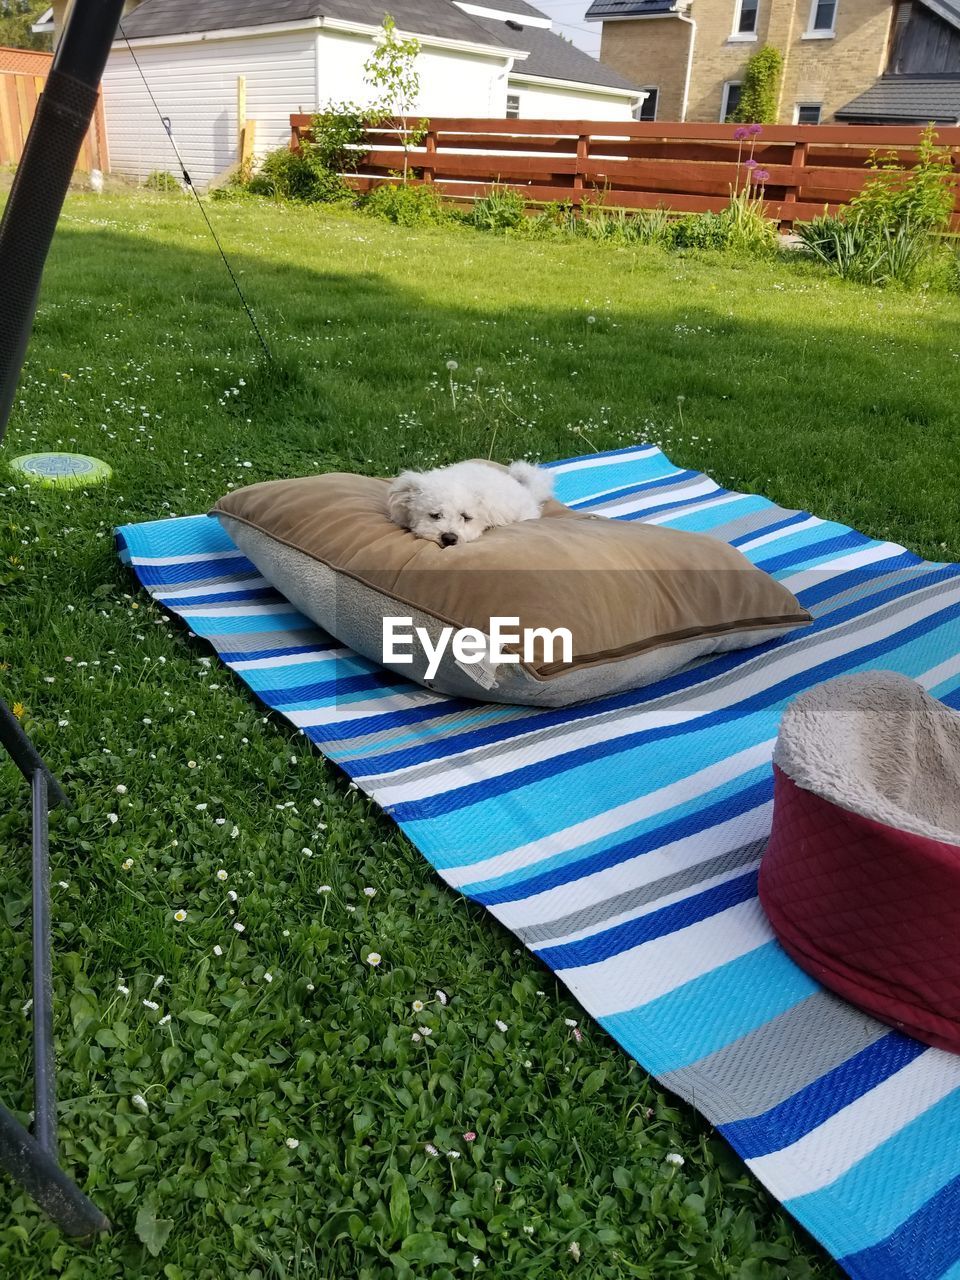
(620, 840)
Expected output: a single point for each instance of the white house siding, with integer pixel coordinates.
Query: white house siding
(452, 82)
(542, 102)
(195, 85)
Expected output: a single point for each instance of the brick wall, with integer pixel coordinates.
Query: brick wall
(832, 71)
(650, 52)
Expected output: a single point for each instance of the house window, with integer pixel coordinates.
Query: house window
(822, 17)
(746, 18)
(808, 112)
(513, 106)
(647, 109)
(731, 100)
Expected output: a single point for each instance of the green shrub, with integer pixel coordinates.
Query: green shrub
(500, 210)
(760, 95)
(408, 204)
(298, 175)
(921, 197)
(337, 135)
(161, 181)
(749, 230)
(853, 250)
(699, 231)
(650, 226)
(556, 220)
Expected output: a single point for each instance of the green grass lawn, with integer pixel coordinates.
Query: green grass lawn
(294, 1122)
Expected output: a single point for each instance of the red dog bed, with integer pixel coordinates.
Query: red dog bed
(861, 877)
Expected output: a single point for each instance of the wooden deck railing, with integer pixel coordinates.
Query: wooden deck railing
(22, 76)
(681, 167)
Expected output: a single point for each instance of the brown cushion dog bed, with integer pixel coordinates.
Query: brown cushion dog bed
(861, 877)
(639, 601)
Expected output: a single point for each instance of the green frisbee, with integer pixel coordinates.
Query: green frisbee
(61, 470)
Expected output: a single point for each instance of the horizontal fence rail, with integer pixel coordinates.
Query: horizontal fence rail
(685, 168)
(23, 73)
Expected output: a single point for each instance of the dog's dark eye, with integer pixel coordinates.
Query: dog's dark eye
(465, 518)
(434, 515)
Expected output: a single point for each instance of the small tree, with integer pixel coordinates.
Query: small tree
(392, 73)
(760, 95)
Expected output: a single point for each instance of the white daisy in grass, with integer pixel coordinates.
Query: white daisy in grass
(307, 853)
(238, 926)
(418, 1006)
(180, 916)
(165, 1019)
(675, 1158)
(425, 1031)
(430, 1149)
(374, 958)
(191, 764)
(124, 991)
(311, 987)
(127, 864)
(232, 895)
(369, 892)
(234, 833)
(112, 818)
(140, 1102)
(571, 1022)
(121, 789)
(218, 950)
(201, 808)
(150, 1004)
(501, 1025)
(292, 1143)
(574, 1250)
(416, 1037)
(158, 981)
(64, 884)
(441, 996)
(221, 874)
(268, 977)
(324, 888)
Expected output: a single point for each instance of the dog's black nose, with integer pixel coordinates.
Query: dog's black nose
(448, 539)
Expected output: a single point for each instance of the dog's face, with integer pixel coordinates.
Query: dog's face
(435, 507)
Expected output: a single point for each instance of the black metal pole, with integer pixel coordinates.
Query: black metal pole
(62, 118)
(40, 1175)
(44, 1064)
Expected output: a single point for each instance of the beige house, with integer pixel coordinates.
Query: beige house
(863, 61)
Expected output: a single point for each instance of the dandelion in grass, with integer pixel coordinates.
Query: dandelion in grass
(140, 1102)
(374, 958)
(180, 916)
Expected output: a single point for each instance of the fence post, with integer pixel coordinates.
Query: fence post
(583, 154)
(430, 147)
(798, 161)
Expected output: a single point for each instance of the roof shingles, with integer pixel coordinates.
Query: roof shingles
(907, 100)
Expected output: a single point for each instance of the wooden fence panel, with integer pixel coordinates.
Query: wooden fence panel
(23, 73)
(681, 167)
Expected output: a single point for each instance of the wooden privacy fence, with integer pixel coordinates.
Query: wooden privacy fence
(23, 73)
(686, 168)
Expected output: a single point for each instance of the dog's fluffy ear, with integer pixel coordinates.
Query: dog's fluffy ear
(401, 495)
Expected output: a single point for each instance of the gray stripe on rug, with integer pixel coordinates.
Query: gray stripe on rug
(778, 1059)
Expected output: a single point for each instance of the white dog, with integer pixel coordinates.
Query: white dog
(458, 503)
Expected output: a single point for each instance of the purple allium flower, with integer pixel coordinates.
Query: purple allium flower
(740, 134)
(760, 176)
(751, 163)
(753, 130)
